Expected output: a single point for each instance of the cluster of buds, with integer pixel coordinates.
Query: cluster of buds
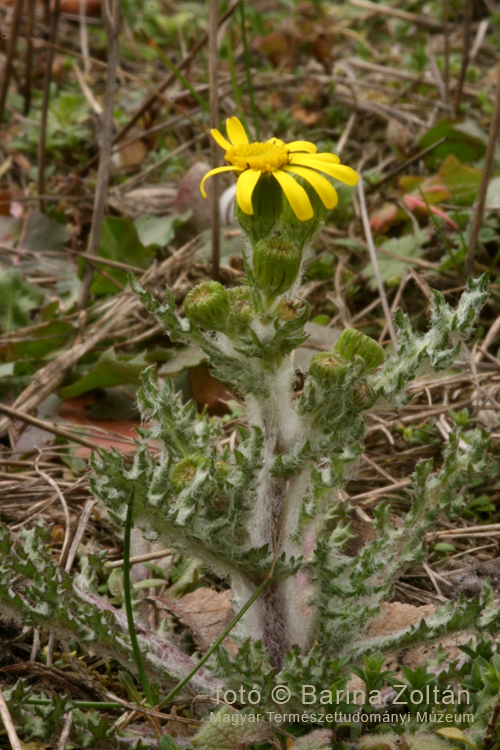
(342, 369)
(240, 299)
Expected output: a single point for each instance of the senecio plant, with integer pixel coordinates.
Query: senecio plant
(268, 516)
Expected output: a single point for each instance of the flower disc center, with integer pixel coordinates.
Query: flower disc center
(263, 157)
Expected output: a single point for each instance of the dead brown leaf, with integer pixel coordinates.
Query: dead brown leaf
(205, 613)
(395, 616)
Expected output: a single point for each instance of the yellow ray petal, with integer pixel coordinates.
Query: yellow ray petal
(327, 157)
(220, 139)
(216, 171)
(236, 132)
(244, 189)
(326, 192)
(337, 171)
(302, 146)
(330, 158)
(296, 195)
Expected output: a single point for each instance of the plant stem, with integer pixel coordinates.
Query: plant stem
(234, 82)
(240, 614)
(98, 705)
(128, 607)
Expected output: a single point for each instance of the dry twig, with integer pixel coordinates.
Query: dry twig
(9, 725)
(66, 730)
(111, 10)
(54, 22)
(466, 31)
(373, 258)
(485, 178)
(9, 62)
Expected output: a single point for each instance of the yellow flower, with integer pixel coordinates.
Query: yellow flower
(282, 160)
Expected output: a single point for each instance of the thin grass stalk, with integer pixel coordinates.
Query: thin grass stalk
(217, 643)
(466, 31)
(446, 71)
(234, 82)
(242, 611)
(30, 24)
(247, 70)
(214, 123)
(54, 23)
(127, 588)
(111, 10)
(176, 72)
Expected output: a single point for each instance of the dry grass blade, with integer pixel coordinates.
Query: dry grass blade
(54, 485)
(9, 725)
(80, 531)
(15, 414)
(373, 258)
(374, 495)
(68, 722)
(141, 558)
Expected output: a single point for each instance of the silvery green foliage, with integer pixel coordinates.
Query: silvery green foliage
(486, 676)
(37, 592)
(43, 722)
(41, 717)
(294, 453)
(440, 345)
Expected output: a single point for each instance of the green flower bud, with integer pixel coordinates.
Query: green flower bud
(363, 396)
(328, 368)
(267, 202)
(352, 343)
(185, 471)
(288, 309)
(222, 468)
(241, 305)
(276, 263)
(207, 305)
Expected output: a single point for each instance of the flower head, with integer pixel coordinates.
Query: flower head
(284, 161)
(352, 343)
(207, 304)
(329, 368)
